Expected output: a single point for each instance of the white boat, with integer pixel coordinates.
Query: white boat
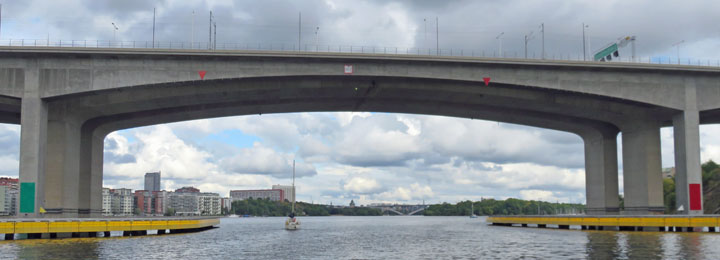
(472, 210)
(292, 223)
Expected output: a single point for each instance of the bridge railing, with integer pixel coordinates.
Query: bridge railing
(367, 49)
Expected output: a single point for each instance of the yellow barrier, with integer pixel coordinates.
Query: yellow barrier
(93, 226)
(629, 221)
(7, 227)
(63, 226)
(31, 227)
(70, 226)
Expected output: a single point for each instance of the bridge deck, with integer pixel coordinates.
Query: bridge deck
(619, 222)
(39, 228)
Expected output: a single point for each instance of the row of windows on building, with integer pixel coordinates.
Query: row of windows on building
(8, 196)
(186, 201)
(277, 193)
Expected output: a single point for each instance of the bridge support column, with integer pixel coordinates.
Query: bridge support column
(33, 136)
(62, 165)
(91, 161)
(688, 175)
(642, 177)
(601, 174)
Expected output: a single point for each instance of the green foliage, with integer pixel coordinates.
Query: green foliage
(490, 207)
(170, 212)
(266, 207)
(711, 190)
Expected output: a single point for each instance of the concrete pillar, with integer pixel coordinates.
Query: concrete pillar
(642, 176)
(33, 136)
(601, 174)
(62, 164)
(91, 162)
(688, 174)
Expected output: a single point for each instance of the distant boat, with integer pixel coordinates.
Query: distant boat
(292, 223)
(472, 210)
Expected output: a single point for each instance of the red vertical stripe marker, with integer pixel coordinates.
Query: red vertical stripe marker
(202, 74)
(487, 81)
(695, 195)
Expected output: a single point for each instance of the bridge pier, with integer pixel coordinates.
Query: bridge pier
(688, 175)
(601, 173)
(62, 178)
(642, 177)
(33, 136)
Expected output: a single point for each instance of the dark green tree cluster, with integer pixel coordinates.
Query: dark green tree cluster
(356, 211)
(266, 207)
(489, 207)
(711, 190)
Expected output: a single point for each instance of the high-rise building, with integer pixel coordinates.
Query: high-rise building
(152, 181)
(288, 191)
(274, 195)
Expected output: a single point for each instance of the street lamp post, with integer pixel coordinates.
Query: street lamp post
(316, 37)
(677, 44)
(542, 30)
(528, 37)
(114, 32)
(584, 51)
(499, 38)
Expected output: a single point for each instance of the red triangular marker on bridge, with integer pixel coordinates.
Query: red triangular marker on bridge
(202, 74)
(487, 81)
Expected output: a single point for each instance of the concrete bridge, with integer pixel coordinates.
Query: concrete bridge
(68, 99)
(401, 210)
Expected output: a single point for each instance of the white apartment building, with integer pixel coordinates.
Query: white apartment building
(106, 202)
(288, 191)
(209, 203)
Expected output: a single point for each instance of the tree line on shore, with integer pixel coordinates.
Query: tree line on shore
(266, 207)
(489, 207)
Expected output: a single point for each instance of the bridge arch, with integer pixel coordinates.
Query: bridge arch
(75, 97)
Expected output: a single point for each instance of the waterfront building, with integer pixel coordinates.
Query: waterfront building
(152, 181)
(288, 191)
(184, 203)
(106, 202)
(273, 194)
(209, 203)
(151, 203)
(8, 196)
(121, 203)
(8, 200)
(188, 189)
(226, 203)
(9, 182)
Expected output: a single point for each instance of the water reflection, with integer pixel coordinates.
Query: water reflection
(375, 238)
(654, 245)
(81, 248)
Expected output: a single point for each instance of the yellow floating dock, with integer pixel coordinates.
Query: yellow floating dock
(707, 223)
(38, 228)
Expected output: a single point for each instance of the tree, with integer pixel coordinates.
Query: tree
(170, 212)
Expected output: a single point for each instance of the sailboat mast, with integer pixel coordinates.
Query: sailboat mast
(293, 185)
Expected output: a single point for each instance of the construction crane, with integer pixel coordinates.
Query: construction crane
(607, 53)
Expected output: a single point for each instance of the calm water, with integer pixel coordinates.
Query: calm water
(375, 238)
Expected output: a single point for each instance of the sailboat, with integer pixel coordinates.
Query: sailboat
(472, 210)
(292, 223)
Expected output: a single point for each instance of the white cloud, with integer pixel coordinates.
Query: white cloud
(413, 193)
(361, 185)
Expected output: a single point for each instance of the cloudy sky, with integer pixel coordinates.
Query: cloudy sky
(368, 157)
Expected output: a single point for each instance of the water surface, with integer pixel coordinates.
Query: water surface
(375, 238)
